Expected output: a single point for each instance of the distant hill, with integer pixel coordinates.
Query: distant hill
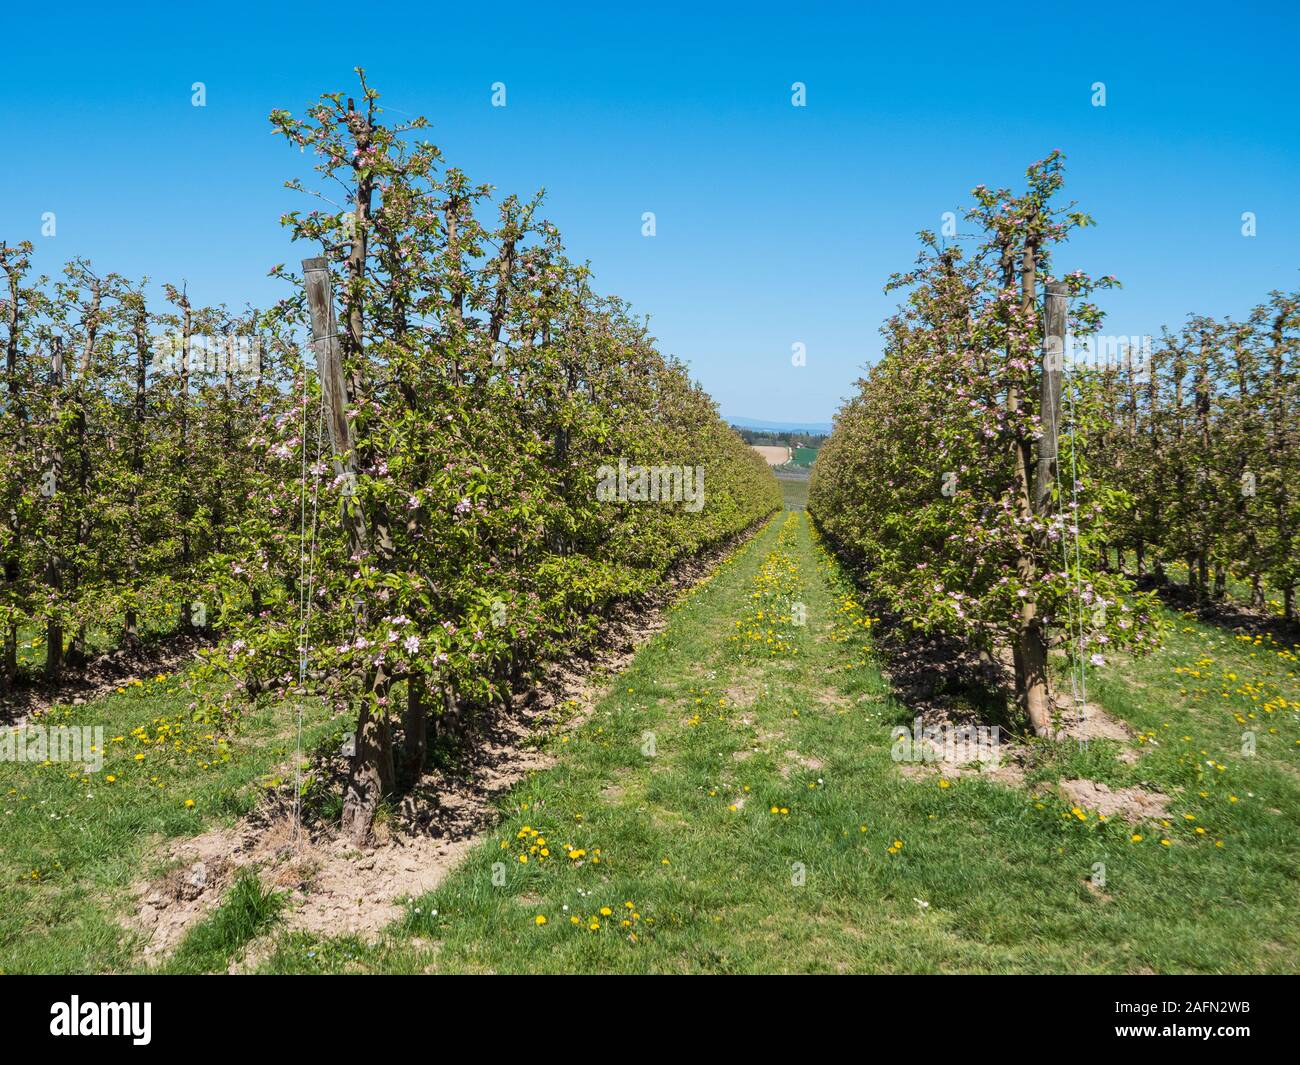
(821, 428)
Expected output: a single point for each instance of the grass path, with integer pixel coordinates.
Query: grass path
(729, 810)
(731, 805)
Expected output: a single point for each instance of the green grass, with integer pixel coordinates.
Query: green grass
(795, 493)
(989, 878)
(74, 842)
(247, 911)
(1005, 874)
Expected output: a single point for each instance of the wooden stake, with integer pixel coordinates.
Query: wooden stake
(1049, 404)
(329, 368)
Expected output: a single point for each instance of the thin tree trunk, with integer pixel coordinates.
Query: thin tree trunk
(370, 774)
(1281, 447)
(1031, 650)
(14, 267)
(54, 564)
(186, 618)
(135, 536)
(10, 658)
(415, 739)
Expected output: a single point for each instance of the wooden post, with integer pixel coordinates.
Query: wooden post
(329, 368)
(371, 772)
(1049, 405)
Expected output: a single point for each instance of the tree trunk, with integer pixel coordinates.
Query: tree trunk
(415, 732)
(1032, 667)
(183, 503)
(53, 638)
(135, 538)
(10, 668)
(453, 715)
(1282, 443)
(370, 775)
(77, 655)
(54, 564)
(14, 314)
(1036, 499)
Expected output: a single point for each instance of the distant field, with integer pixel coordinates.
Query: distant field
(805, 456)
(774, 456)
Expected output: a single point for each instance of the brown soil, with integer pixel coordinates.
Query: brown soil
(1132, 804)
(333, 888)
(1088, 721)
(740, 696)
(773, 455)
(1009, 770)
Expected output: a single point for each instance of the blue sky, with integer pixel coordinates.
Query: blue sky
(776, 224)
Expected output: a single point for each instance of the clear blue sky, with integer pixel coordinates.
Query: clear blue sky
(775, 224)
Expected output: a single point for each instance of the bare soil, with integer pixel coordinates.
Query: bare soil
(1131, 804)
